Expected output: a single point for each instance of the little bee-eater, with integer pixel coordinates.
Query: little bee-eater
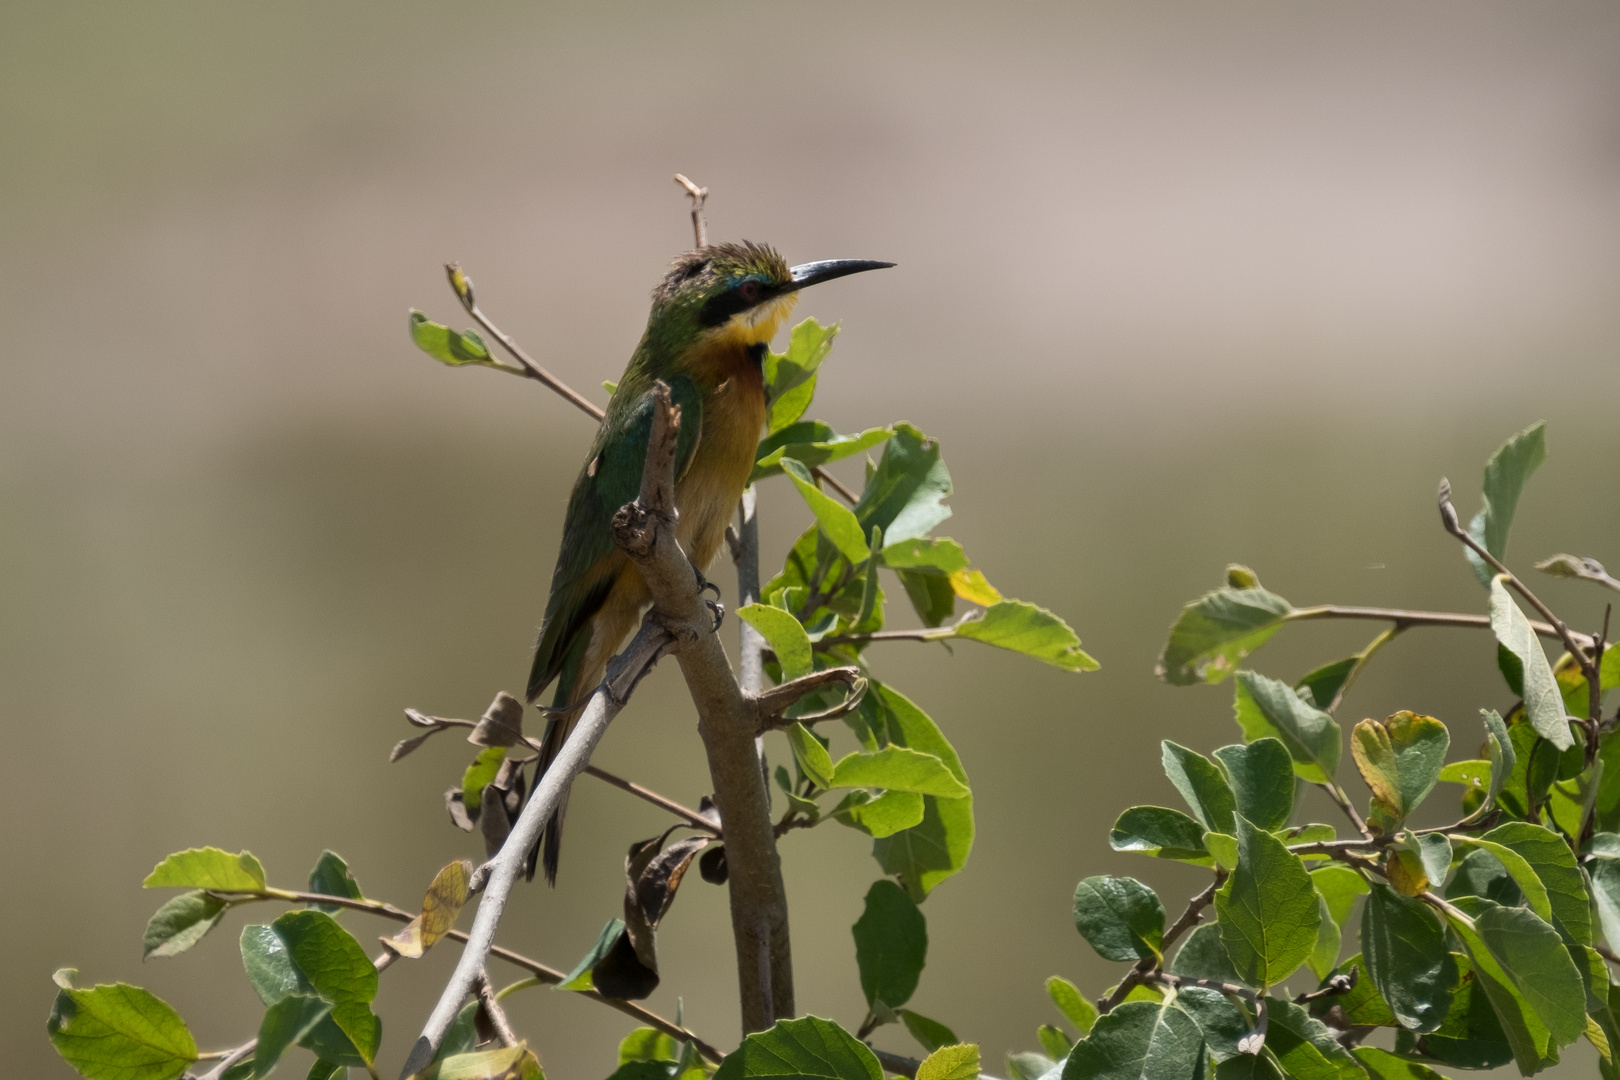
(712, 318)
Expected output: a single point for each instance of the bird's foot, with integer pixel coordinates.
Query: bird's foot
(716, 608)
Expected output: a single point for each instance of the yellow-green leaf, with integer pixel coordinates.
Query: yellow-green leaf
(208, 868)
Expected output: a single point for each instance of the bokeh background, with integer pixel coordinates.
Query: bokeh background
(1179, 284)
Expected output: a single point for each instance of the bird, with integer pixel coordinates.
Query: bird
(712, 319)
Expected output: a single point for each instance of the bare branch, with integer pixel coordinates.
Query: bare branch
(462, 285)
(700, 195)
(493, 1010)
(1404, 619)
(692, 817)
(772, 703)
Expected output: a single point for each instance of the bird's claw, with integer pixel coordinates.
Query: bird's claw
(705, 585)
(718, 610)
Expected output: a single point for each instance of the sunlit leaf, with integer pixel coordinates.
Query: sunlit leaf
(1031, 630)
(959, 1062)
(837, 522)
(118, 1032)
(446, 345)
(1139, 1040)
(1400, 760)
(207, 868)
(1217, 631)
(1542, 701)
(1161, 832)
(811, 443)
(905, 495)
(1505, 475)
(784, 634)
(901, 769)
(809, 1048)
(1267, 910)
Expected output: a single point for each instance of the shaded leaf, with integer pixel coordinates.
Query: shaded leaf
(501, 724)
(1304, 1046)
(1223, 1025)
(1202, 784)
(1480, 873)
(1337, 887)
(1324, 683)
(330, 877)
(285, 1023)
(931, 851)
(1202, 956)
(1408, 960)
(340, 972)
(905, 495)
(1217, 631)
(1557, 890)
(1505, 475)
(1267, 910)
(811, 443)
(1139, 1040)
(1121, 917)
(207, 868)
(1160, 832)
(1266, 707)
(118, 1032)
(930, 1034)
(1383, 1065)
(810, 1047)
(181, 922)
(580, 977)
(790, 377)
(1262, 781)
(891, 945)
(931, 596)
(1542, 702)
(1029, 1065)
(837, 522)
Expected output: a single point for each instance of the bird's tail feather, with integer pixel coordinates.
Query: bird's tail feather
(574, 689)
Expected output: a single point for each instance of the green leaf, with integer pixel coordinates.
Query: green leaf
(813, 759)
(1408, 961)
(959, 1062)
(900, 769)
(942, 555)
(871, 616)
(1029, 1065)
(1202, 784)
(1505, 476)
(1053, 1041)
(1261, 1066)
(930, 1034)
(118, 1032)
(812, 443)
(837, 522)
(809, 1048)
(882, 816)
(1555, 889)
(580, 977)
(1606, 893)
(330, 877)
(207, 868)
(1217, 631)
(930, 594)
(647, 1044)
(1400, 759)
(1528, 975)
(1202, 956)
(790, 377)
(1383, 1065)
(1121, 917)
(1162, 833)
(1262, 781)
(1218, 1017)
(784, 634)
(1267, 910)
(927, 853)
(1471, 1036)
(479, 775)
(1269, 708)
(905, 495)
(1542, 702)
(1031, 630)
(269, 965)
(339, 970)
(891, 945)
(1363, 1005)
(506, 1063)
(1337, 887)
(1480, 873)
(1325, 682)
(1071, 1003)
(1139, 1040)
(447, 346)
(1305, 1048)
(284, 1024)
(181, 923)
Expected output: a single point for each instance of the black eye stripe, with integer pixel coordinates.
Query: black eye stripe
(736, 299)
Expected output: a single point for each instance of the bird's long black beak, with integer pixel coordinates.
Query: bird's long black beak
(812, 273)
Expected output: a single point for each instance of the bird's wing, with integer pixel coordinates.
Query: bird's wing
(586, 567)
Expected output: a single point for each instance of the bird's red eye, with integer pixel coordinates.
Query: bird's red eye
(749, 290)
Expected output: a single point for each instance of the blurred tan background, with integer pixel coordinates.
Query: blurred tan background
(1179, 284)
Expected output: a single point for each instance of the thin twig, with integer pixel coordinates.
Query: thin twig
(700, 195)
(1448, 517)
(1164, 978)
(544, 972)
(1404, 619)
(691, 817)
(1336, 793)
(461, 284)
(493, 1010)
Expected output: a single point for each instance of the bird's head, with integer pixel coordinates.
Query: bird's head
(741, 291)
